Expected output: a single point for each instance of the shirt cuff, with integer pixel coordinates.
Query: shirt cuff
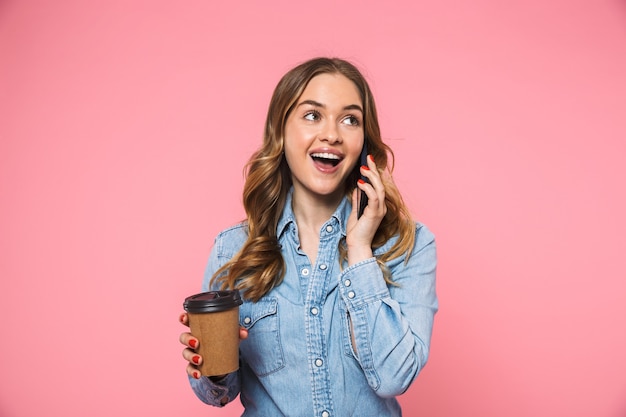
(363, 283)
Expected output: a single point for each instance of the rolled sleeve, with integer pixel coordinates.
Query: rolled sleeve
(217, 393)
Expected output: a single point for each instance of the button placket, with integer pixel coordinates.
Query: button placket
(318, 284)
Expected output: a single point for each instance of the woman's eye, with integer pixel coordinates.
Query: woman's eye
(311, 115)
(351, 120)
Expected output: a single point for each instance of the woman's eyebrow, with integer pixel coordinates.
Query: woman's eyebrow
(311, 103)
(317, 104)
(353, 107)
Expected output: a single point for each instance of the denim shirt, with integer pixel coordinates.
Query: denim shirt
(299, 359)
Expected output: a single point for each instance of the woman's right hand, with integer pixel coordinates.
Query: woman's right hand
(191, 344)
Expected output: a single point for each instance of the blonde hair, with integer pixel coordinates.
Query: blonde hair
(259, 266)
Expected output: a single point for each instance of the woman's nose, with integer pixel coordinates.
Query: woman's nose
(330, 133)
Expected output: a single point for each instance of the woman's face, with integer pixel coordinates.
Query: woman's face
(324, 136)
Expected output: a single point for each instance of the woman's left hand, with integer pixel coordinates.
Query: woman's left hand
(360, 233)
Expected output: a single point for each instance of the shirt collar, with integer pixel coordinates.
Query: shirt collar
(287, 216)
(341, 214)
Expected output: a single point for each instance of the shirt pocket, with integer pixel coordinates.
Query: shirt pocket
(262, 349)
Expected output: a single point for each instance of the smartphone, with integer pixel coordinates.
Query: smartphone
(362, 197)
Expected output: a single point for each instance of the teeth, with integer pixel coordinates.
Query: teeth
(325, 155)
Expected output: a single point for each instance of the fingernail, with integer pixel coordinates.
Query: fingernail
(361, 181)
(365, 167)
(196, 375)
(196, 359)
(371, 157)
(193, 343)
(181, 318)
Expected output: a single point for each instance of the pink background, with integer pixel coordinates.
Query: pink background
(124, 127)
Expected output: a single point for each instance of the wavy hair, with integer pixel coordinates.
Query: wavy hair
(259, 266)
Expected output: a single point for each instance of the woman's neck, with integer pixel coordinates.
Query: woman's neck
(311, 212)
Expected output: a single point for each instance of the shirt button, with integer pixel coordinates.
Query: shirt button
(247, 320)
(323, 267)
(314, 311)
(325, 414)
(347, 283)
(329, 228)
(319, 362)
(351, 294)
(305, 272)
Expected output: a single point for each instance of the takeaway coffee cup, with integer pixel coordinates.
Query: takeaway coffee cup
(214, 321)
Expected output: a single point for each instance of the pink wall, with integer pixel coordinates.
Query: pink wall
(124, 127)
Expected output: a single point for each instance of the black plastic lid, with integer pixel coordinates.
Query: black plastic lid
(212, 301)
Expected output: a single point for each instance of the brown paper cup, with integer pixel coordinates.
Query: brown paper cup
(214, 321)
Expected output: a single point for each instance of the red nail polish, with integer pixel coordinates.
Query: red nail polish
(181, 318)
(192, 343)
(361, 181)
(196, 359)
(196, 375)
(371, 157)
(365, 167)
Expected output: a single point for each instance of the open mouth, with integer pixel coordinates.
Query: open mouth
(327, 159)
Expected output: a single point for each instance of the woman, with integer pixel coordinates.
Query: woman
(338, 309)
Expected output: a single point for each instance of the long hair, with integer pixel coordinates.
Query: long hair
(259, 265)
